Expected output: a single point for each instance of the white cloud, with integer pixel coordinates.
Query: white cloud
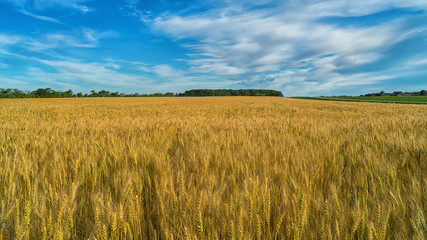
(169, 78)
(417, 61)
(131, 8)
(346, 8)
(7, 82)
(84, 9)
(362, 58)
(215, 66)
(7, 40)
(29, 7)
(235, 40)
(93, 72)
(258, 42)
(167, 71)
(43, 4)
(73, 74)
(113, 65)
(79, 38)
(57, 40)
(40, 17)
(94, 35)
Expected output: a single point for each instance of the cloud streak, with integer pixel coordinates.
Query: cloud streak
(7, 40)
(29, 7)
(40, 17)
(308, 47)
(46, 4)
(266, 45)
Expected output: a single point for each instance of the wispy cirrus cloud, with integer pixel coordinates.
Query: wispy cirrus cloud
(167, 76)
(7, 39)
(308, 47)
(79, 38)
(80, 75)
(41, 17)
(287, 41)
(32, 7)
(48, 61)
(45, 4)
(43, 66)
(96, 73)
(59, 40)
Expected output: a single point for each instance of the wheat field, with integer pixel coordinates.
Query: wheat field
(212, 168)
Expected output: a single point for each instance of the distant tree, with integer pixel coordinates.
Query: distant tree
(16, 93)
(423, 93)
(68, 94)
(231, 92)
(93, 93)
(382, 93)
(49, 93)
(103, 93)
(4, 93)
(29, 94)
(44, 93)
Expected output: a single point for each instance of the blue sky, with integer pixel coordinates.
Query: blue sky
(300, 47)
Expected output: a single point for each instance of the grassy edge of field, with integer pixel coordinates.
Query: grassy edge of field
(357, 100)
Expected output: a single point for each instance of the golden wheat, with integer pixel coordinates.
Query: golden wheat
(211, 168)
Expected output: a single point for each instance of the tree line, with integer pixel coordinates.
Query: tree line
(50, 93)
(230, 92)
(395, 93)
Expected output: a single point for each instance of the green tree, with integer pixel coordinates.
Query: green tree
(68, 94)
(103, 93)
(93, 93)
(44, 93)
(114, 94)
